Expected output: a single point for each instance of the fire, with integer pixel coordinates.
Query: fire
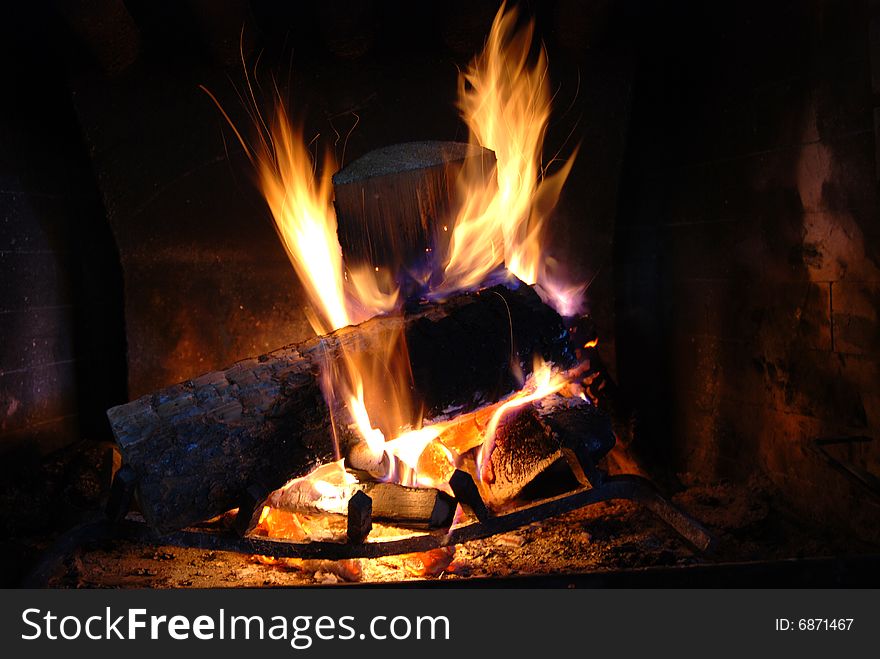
(373, 437)
(432, 452)
(327, 488)
(505, 101)
(301, 204)
(302, 209)
(568, 298)
(427, 456)
(543, 382)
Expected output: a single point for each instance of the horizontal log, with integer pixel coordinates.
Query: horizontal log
(405, 506)
(410, 506)
(198, 446)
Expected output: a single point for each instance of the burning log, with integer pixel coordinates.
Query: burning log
(405, 506)
(392, 202)
(524, 448)
(198, 446)
(534, 438)
(410, 506)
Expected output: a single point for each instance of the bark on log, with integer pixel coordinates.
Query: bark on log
(392, 203)
(198, 446)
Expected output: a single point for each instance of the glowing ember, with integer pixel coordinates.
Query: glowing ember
(430, 563)
(327, 488)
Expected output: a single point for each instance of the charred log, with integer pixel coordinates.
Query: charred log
(467, 492)
(535, 438)
(197, 447)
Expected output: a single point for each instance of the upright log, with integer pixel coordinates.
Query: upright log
(394, 205)
(198, 446)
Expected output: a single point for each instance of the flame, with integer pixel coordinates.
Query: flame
(374, 437)
(301, 204)
(409, 447)
(373, 291)
(303, 212)
(377, 390)
(505, 101)
(432, 451)
(327, 488)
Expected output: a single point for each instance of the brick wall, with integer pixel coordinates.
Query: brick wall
(60, 344)
(748, 251)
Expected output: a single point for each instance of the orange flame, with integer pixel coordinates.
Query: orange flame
(306, 222)
(504, 99)
(505, 102)
(302, 209)
(477, 429)
(303, 212)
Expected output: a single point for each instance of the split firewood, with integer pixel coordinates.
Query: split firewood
(534, 438)
(410, 506)
(403, 506)
(528, 441)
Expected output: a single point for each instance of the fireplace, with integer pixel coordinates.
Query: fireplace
(707, 414)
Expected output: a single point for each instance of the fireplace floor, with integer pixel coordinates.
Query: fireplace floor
(748, 522)
(607, 537)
